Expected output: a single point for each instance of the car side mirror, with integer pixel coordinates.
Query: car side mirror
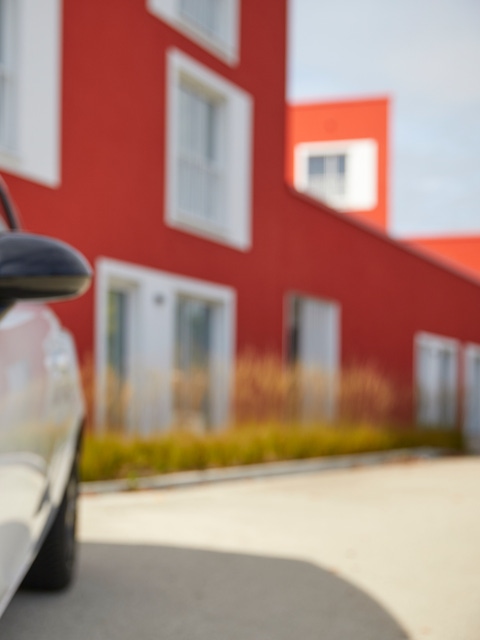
(36, 267)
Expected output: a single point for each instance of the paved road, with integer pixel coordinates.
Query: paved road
(347, 555)
(127, 592)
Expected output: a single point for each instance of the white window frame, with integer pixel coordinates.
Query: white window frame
(156, 293)
(34, 149)
(226, 48)
(429, 416)
(361, 178)
(237, 115)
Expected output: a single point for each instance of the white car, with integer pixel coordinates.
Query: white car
(41, 409)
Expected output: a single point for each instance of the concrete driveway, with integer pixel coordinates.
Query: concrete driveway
(385, 552)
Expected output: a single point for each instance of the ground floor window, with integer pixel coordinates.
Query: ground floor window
(472, 395)
(164, 349)
(194, 353)
(119, 334)
(436, 375)
(313, 345)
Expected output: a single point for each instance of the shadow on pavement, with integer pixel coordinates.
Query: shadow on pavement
(156, 592)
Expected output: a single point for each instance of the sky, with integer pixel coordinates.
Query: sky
(424, 55)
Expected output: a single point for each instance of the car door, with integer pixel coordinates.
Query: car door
(41, 403)
(26, 442)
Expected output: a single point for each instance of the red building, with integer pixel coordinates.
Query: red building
(151, 135)
(322, 138)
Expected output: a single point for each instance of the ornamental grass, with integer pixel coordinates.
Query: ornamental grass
(277, 413)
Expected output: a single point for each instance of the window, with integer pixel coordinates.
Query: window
(214, 24)
(164, 349)
(7, 79)
(327, 175)
(343, 173)
(200, 175)
(118, 353)
(313, 343)
(436, 364)
(30, 61)
(121, 342)
(208, 163)
(472, 396)
(193, 362)
(206, 15)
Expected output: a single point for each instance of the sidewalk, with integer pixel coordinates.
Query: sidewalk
(406, 534)
(184, 479)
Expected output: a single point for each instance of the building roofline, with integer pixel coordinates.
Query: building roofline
(338, 102)
(402, 246)
(475, 237)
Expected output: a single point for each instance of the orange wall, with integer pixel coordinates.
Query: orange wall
(462, 252)
(345, 120)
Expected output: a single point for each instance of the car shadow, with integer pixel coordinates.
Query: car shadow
(159, 592)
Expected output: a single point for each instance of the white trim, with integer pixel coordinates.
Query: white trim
(35, 150)
(361, 193)
(237, 108)
(437, 340)
(156, 293)
(228, 49)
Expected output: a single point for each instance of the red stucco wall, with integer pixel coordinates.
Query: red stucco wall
(111, 199)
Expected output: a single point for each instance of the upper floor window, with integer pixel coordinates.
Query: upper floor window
(327, 175)
(209, 149)
(7, 71)
(207, 15)
(30, 62)
(214, 24)
(343, 174)
(200, 173)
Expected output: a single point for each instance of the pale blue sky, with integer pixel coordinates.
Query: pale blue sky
(424, 54)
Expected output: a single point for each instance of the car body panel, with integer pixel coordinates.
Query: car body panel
(41, 412)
